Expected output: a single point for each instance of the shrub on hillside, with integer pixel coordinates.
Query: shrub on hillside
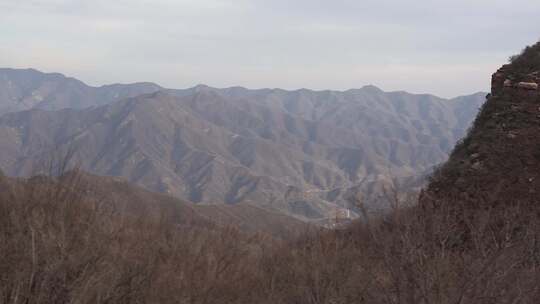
(527, 61)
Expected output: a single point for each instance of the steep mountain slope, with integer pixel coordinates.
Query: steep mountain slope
(31, 89)
(301, 152)
(498, 163)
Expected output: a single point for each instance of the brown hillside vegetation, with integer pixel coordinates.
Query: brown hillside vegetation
(473, 239)
(60, 243)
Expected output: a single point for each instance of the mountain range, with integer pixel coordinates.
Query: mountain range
(303, 153)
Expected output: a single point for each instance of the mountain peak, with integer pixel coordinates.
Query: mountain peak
(372, 88)
(201, 87)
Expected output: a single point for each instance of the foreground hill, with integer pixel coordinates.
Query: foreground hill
(134, 201)
(302, 152)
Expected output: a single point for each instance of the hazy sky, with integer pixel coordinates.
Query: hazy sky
(448, 47)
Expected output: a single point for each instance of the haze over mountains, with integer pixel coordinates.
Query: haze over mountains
(301, 152)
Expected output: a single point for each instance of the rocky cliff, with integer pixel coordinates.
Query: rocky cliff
(498, 163)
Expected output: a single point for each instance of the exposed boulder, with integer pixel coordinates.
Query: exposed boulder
(528, 85)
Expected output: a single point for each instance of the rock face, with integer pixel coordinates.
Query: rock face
(499, 161)
(302, 152)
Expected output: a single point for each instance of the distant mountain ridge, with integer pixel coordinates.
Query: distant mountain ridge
(25, 89)
(301, 152)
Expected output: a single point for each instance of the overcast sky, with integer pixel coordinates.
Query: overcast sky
(447, 48)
